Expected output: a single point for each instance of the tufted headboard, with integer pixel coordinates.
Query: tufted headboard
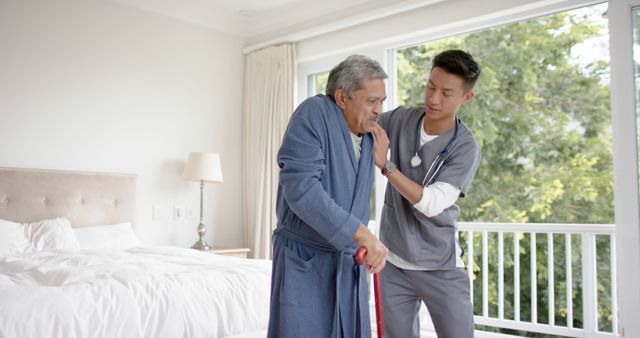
(85, 198)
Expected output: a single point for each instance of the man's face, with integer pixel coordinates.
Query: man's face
(364, 107)
(444, 95)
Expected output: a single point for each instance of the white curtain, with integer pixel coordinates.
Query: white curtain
(268, 104)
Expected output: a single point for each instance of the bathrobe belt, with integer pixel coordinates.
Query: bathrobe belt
(328, 248)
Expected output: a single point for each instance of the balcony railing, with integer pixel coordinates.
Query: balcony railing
(585, 305)
(587, 298)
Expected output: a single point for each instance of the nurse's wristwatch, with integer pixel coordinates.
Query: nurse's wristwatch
(388, 168)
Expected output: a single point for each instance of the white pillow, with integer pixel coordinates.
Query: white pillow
(115, 236)
(51, 234)
(13, 239)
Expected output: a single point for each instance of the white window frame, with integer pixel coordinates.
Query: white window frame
(625, 165)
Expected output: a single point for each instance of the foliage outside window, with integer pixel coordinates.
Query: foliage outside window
(542, 117)
(319, 82)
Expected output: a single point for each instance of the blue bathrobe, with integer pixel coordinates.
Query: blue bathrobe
(317, 290)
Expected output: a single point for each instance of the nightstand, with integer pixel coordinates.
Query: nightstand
(235, 252)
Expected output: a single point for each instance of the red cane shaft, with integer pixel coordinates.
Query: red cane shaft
(378, 297)
(377, 289)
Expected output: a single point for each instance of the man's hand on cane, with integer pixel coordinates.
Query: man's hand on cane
(376, 251)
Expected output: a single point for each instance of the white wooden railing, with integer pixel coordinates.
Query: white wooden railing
(589, 277)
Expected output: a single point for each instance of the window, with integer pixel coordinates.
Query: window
(317, 83)
(542, 117)
(450, 20)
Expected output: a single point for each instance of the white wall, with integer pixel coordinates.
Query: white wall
(96, 86)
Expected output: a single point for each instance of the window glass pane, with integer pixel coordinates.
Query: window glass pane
(321, 82)
(541, 115)
(318, 83)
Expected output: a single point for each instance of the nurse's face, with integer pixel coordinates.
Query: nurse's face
(444, 95)
(364, 107)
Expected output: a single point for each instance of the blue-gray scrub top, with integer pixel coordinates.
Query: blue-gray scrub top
(425, 241)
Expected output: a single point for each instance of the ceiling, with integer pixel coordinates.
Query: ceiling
(250, 18)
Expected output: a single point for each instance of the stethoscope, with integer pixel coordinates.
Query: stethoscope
(438, 161)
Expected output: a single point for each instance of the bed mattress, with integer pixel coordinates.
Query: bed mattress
(140, 292)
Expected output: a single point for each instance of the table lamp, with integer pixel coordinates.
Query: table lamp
(203, 167)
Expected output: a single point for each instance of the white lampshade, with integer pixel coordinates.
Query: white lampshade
(203, 167)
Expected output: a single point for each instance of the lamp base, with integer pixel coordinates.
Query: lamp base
(201, 244)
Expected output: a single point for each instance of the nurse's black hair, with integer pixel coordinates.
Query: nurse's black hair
(460, 63)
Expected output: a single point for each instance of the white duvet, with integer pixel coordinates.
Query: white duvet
(141, 292)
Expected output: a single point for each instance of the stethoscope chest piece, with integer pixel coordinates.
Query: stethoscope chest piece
(415, 161)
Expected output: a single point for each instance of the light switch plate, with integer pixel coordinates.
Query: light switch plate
(155, 213)
(178, 213)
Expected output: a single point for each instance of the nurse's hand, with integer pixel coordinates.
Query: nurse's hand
(376, 251)
(380, 146)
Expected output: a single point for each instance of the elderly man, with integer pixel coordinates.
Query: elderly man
(326, 177)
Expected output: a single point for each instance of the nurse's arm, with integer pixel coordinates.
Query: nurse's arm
(409, 189)
(436, 198)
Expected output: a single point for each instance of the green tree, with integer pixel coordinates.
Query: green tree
(543, 123)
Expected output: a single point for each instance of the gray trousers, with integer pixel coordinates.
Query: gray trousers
(444, 292)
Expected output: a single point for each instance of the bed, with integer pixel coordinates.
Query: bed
(80, 272)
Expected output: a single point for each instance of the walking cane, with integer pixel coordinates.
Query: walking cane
(360, 254)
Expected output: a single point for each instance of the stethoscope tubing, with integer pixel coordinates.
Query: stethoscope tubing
(438, 161)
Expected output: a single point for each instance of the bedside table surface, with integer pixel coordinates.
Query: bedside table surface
(230, 250)
(234, 252)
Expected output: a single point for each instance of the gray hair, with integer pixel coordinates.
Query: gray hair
(350, 74)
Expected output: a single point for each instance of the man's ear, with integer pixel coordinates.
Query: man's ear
(467, 97)
(341, 98)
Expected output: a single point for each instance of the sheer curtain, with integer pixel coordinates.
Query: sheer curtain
(268, 104)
